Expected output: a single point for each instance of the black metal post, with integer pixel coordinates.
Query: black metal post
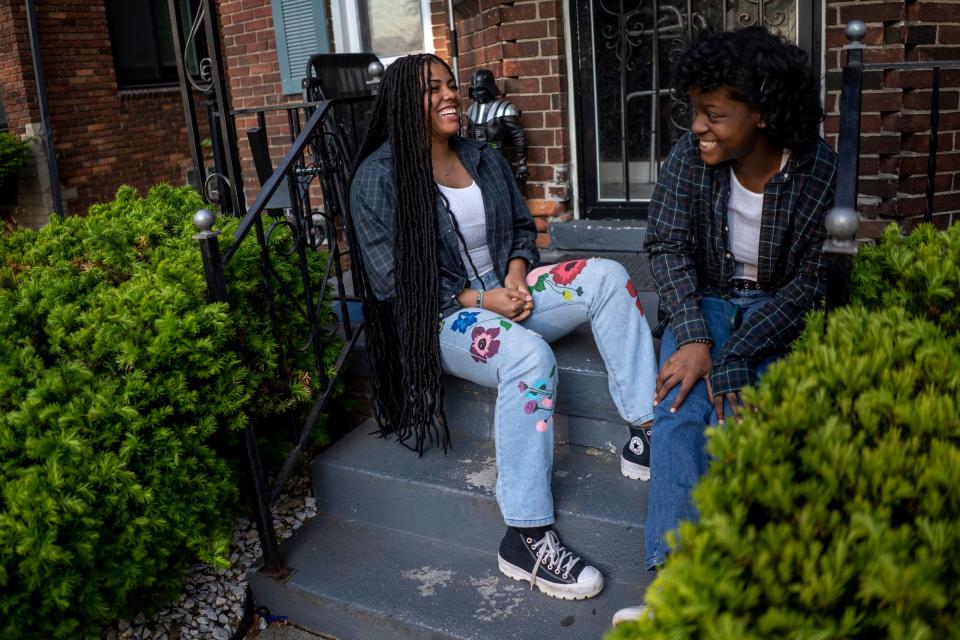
(842, 220)
(227, 131)
(848, 141)
(224, 186)
(41, 79)
(272, 563)
(932, 151)
(186, 95)
(260, 496)
(210, 253)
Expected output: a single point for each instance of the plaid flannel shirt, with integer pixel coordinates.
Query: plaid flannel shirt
(511, 232)
(689, 254)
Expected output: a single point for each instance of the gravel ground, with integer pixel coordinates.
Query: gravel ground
(212, 602)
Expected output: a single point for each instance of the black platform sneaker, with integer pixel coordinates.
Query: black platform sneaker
(635, 459)
(547, 565)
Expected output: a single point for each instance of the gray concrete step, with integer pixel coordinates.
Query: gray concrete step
(357, 581)
(599, 235)
(451, 497)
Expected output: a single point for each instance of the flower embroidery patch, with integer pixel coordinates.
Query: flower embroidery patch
(539, 398)
(484, 344)
(566, 272)
(558, 278)
(632, 290)
(465, 319)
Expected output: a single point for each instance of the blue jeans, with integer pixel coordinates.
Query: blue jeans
(516, 358)
(678, 456)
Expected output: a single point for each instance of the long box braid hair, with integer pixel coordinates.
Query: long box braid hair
(402, 337)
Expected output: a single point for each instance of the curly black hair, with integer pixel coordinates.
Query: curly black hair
(766, 72)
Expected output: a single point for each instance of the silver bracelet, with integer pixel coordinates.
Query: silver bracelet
(480, 298)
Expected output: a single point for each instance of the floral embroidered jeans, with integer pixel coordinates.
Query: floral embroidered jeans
(516, 358)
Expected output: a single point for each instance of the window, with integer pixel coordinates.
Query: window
(388, 28)
(301, 27)
(391, 28)
(143, 53)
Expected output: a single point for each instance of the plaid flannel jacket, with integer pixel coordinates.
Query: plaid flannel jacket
(511, 232)
(689, 254)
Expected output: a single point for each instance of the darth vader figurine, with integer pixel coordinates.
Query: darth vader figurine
(495, 120)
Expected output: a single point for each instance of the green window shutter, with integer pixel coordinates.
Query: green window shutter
(301, 27)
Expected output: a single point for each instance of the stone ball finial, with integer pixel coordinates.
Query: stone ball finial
(855, 30)
(203, 220)
(842, 223)
(375, 69)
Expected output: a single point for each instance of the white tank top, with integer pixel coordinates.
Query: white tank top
(744, 213)
(466, 204)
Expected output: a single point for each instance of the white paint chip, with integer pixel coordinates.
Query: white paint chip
(499, 600)
(485, 477)
(429, 579)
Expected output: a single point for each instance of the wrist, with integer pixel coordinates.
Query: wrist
(467, 297)
(517, 266)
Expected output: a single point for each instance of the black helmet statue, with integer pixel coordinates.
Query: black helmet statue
(496, 121)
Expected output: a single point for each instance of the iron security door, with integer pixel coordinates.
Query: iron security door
(626, 118)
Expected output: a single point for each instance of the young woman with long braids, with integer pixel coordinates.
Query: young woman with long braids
(446, 249)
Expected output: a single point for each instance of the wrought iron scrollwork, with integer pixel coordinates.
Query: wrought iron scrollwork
(204, 64)
(760, 16)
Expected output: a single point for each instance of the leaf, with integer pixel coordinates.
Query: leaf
(540, 284)
(506, 325)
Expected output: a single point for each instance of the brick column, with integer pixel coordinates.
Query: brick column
(521, 42)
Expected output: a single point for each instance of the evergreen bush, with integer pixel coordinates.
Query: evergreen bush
(13, 155)
(919, 272)
(115, 375)
(831, 510)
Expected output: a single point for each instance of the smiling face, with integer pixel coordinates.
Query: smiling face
(727, 128)
(442, 103)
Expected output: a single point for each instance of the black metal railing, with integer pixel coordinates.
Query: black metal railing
(316, 160)
(842, 220)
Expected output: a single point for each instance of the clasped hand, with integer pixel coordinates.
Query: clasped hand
(691, 363)
(509, 303)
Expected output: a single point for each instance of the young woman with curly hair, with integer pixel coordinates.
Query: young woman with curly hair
(448, 254)
(735, 233)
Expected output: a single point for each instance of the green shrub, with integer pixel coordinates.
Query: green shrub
(13, 155)
(833, 511)
(115, 374)
(919, 272)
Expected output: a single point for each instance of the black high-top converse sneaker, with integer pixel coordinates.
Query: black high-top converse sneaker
(635, 459)
(547, 565)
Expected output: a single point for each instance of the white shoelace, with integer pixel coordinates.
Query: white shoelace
(556, 554)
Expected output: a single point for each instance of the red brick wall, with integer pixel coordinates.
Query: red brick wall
(16, 71)
(895, 124)
(104, 137)
(521, 42)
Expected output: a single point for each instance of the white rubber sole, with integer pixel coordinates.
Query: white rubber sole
(561, 591)
(633, 470)
(629, 614)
